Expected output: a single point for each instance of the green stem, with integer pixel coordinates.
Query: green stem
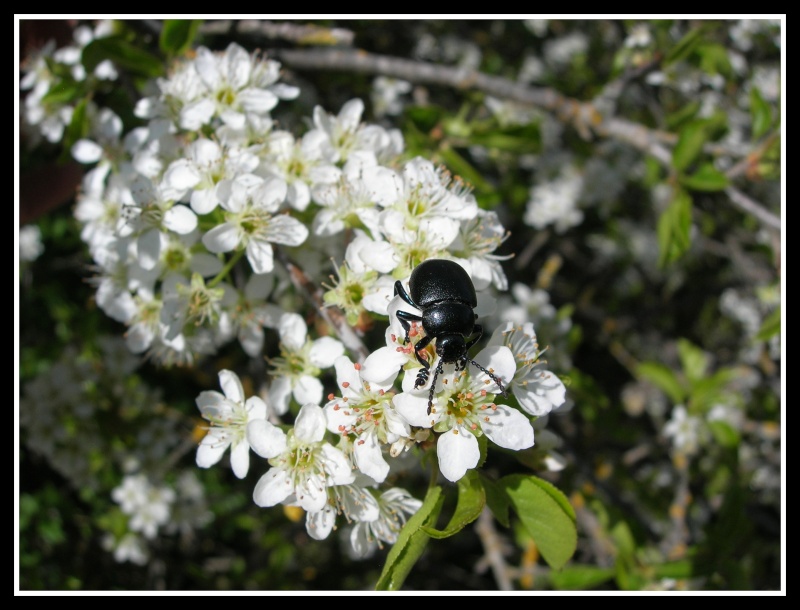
(226, 269)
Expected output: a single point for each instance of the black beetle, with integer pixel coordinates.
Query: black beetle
(443, 291)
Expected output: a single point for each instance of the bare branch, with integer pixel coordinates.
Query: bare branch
(293, 32)
(493, 549)
(745, 203)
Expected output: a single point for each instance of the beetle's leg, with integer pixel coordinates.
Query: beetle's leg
(433, 386)
(477, 330)
(398, 289)
(405, 319)
(422, 375)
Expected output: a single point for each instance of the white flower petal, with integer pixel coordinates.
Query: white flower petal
(458, 452)
(324, 352)
(369, 458)
(308, 389)
(320, 524)
(311, 493)
(149, 249)
(310, 425)
(280, 393)
(256, 408)
(196, 114)
(414, 408)
(180, 219)
(222, 238)
(260, 256)
(204, 201)
(508, 428)
(231, 386)
(286, 230)
(211, 450)
(382, 364)
(337, 466)
(86, 151)
(273, 488)
(240, 459)
(267, 440)
(292, 330)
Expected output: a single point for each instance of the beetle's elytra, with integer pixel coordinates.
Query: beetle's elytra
(443, 291)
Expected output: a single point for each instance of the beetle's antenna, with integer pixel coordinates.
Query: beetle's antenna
(494, 378)
(433, 385)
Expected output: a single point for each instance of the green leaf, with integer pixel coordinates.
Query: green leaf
(177, 35)
(471, 500)
(425, 118)
(761, 113)
(464, 169)
(663, 378)
(770, 326)
(573, 578)
(706, 178)
(685, 46)
(496, 500)
(714, 58)
(709, 390)
(62, 92)
(680, 117)
(78, 125)
(547, 516)
(690, 144)
(725, 434)
(123, 54)
(674, 229)
(411, 542)
(693, 360)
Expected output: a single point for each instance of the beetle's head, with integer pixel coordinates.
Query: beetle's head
(451, 348)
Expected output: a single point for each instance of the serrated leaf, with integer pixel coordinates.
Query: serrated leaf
(411, 542)
(693, 360)
(663, 378)
(690, 144)
(546, 514)
(471, 500)
(123, 54)
(177, 35)
(706, 178)
(575, 578)
(496, 500)
(674, 229)
(770, 326)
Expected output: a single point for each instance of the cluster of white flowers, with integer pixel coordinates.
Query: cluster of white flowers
(556, 202)
(30, 243)
(170, 211)
(183, 216)
(44, 113)
(152, 509)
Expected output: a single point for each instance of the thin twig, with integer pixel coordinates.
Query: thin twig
(493, 549)
(332, 315)
(300, 33)
(585, 117)
(745, 203)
